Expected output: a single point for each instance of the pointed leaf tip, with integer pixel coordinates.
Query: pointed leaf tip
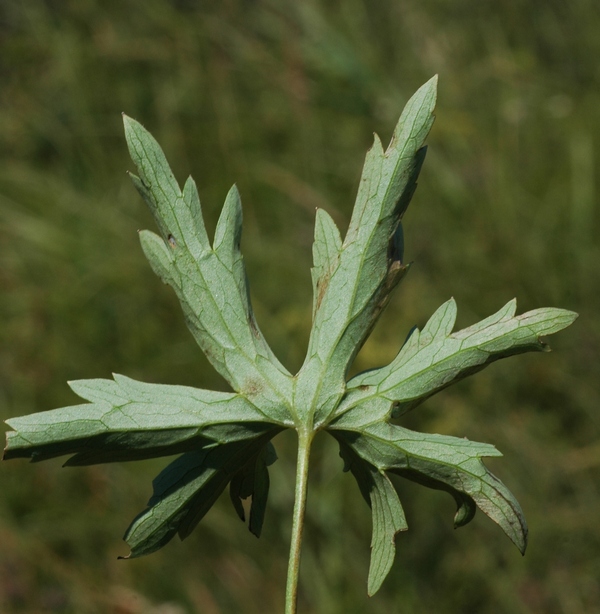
(436, 357)
(129, 123)
(229, 225)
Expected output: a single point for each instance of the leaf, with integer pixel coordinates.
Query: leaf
(224, 438)
(434, 358)
(252, 480)
(326, 254)
(209, 282)
(357, 283)
(131, 420)
(446, 463)
(184, 492)
(388, 515)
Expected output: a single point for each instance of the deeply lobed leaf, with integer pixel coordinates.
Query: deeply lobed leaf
(210, 282)
(388, 515)
(435, 358)
(447, 463)
(353, 280)
(131, 420)
(224, 438)
(429, 361)
(187, 488)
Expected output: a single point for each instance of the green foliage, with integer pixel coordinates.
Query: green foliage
(225, 438)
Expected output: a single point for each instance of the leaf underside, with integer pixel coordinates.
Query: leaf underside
(224, 438)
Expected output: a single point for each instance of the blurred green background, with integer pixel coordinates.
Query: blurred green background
(282, 97)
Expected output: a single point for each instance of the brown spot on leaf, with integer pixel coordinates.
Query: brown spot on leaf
(252, 387)
(254, 327)
(322, 284)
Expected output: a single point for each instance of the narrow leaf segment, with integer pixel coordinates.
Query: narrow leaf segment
(224, 438)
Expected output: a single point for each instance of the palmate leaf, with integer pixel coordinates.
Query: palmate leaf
(224, 438)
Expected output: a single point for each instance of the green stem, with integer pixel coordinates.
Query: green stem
(291, 592)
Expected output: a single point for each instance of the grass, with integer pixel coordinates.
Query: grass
(283, 99)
